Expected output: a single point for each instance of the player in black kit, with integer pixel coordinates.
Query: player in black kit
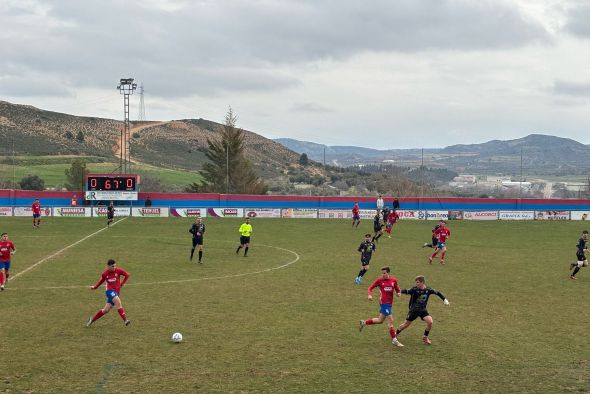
(434, 239)
(582, 248)
(377, 227)
(198, 231)
(110, 214)
(418, 301)
(366, 248)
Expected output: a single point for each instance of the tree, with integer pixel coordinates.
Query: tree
(303, 159)
(75, 175)
(228, 170)
(80, 136)
(32, 182)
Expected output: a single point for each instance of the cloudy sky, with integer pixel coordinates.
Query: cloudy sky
(374, 73)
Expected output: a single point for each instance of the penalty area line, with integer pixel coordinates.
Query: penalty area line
(44, 259)
(296, 259)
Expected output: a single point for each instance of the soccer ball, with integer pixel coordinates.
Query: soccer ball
(177, 337)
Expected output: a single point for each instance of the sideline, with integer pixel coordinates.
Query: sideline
(13, 277)
(296, 259)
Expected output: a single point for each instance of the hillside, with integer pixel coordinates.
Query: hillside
(541, 154)
(175, 144)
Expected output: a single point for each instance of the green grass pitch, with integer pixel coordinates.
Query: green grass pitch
(516, 322)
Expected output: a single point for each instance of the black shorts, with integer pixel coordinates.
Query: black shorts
(412, 315)
(197, 241)
(377, 228)
(580, 256)
(434, 241)
(244, 240)
(110, 216)
(365, 260)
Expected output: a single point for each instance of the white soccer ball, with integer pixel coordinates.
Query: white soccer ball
(177, 337)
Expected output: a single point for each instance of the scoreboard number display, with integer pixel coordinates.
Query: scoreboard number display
(112, 187)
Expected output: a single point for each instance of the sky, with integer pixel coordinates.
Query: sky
(374, 73)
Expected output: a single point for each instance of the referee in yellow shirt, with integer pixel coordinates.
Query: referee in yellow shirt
(245, 233)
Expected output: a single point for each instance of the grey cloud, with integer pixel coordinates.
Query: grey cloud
(576, 89)
(28, 85)
(577, 20)
(311, 107)
(207, 47)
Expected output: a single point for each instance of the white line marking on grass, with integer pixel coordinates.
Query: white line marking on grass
(13, 277)
(296, 259)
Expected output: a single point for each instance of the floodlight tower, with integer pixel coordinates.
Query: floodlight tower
(126, 87)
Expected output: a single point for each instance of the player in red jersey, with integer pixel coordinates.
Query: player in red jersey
(356, 215)
(36, 207)
(442, 234)
(7, 249)
(392, 218)
(112, 277)
(387, 285)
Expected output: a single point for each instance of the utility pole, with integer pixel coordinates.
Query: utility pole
(126, 87)
(422, 175)
(227, 168)
(141, 114)
(13, 165)
(520, 184)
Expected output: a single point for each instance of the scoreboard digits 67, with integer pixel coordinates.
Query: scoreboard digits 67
(122, 182)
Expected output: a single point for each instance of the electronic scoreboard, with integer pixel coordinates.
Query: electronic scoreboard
(112, 187)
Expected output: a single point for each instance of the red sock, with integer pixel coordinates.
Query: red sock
(392, 332)
(369, 322)
(442, 256)
(122, 313)
(433, 255)
(7, 275)
(98, 315)
(2, 278)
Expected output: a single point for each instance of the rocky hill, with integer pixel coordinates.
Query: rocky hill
(177, 144)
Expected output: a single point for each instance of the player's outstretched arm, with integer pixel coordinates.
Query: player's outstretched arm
(126, 275)
(100, 282)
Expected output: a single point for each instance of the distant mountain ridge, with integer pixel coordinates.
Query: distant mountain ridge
(541, 154)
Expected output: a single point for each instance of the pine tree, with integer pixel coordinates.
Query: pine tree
(75, 175)
(228, 170)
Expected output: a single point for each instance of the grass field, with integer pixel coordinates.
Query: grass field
(54, 173)
(516, 323)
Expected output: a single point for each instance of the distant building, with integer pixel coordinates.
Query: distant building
(516, 185)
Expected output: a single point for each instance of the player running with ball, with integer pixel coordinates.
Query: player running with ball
(387, 285)
(112, 276)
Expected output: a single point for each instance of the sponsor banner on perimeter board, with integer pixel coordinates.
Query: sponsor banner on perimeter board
(225, 212)
(580, 215)
(480, 215)
(188, 212)
(262, 213)
(28, 211)
(119, 211)
(516, 215)
(552, 215)
(299, 213)
(334, 214)
(150, 212)
(72, 211)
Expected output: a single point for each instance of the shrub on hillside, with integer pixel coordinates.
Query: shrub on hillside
(32, 182)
